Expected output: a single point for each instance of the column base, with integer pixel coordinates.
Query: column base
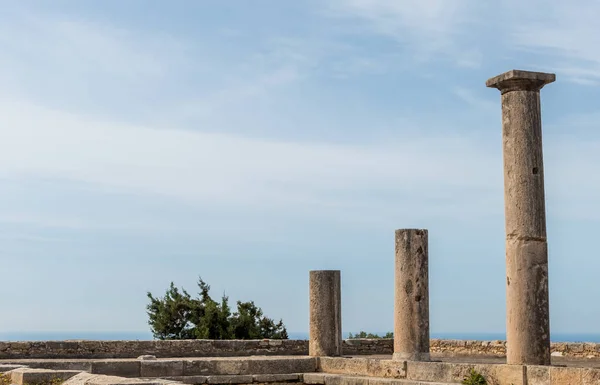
(411, 357)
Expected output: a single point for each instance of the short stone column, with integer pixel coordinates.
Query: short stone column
(527, 307)
(411, 298)
(325, 313)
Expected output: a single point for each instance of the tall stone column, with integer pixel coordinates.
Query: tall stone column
(411, 298)
(527, 307)
(325, 313)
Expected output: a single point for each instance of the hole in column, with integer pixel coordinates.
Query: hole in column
(535, 171)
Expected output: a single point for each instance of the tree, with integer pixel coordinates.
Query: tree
(363, 334)
(250, 323)
(170, 316)
(179, 316)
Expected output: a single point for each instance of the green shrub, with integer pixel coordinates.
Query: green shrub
(474, 378)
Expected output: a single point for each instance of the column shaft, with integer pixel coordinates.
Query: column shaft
(527, 303)
(325, 313)
(411, 299)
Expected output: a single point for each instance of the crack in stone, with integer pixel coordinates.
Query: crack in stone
(514, 237)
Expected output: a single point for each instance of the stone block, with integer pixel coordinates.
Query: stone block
(8, 367)
(386, 368)
(590, 376)
(346, 380)
(501, 374)
(538, 375)
(280, 365)
(388, 381)
(576, 347)
(233, 367)
(249, 365)
(122, 368)
(81, 365)
(437, 371)
(199, 367)
(495, 374)
(393, 381)
(342, 365)
(275, 383)
(161, 368)
(275, 377)
(96, 379)
(565, 376)
(114, 380)
(99, 379)
(29, 376)
(81, 379)
(188, 379)
(245, 379)
(314, 378)
(428, 371)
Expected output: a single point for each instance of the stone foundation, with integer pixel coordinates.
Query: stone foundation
(313, 371)
(233, 348)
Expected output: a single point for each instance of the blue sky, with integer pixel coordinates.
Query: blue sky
(144, 142)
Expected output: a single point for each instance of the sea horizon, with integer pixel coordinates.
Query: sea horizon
(147, 336)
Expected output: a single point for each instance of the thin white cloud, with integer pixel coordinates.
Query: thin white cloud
(230, 171)
(227, 170)
(474, 101)
(564, 34)
(429, 27)
(85, 44)
(64, 60)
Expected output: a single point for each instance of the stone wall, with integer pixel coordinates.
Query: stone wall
(498, 348)
(133, 349)
(468, 348)
(210, 348)
(361, 346)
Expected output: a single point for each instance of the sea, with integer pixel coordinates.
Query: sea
(146, 335)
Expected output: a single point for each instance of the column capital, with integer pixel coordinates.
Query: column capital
(517, 80)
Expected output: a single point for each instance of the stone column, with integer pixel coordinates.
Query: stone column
(411, 299)
(325, 313)
(527, 308)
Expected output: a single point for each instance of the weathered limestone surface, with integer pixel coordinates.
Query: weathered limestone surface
(99, 379)
(337, 371)
(28, 376)
(359, 366)
(121, 368)
(8, 367)
(411, 296)
(365, 346)
(527, 304)
(82, 359)
(240, 379)
(161, 368)
(133, 349)
(325, 313)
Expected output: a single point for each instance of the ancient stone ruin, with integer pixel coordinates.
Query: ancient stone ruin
(412, 358)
